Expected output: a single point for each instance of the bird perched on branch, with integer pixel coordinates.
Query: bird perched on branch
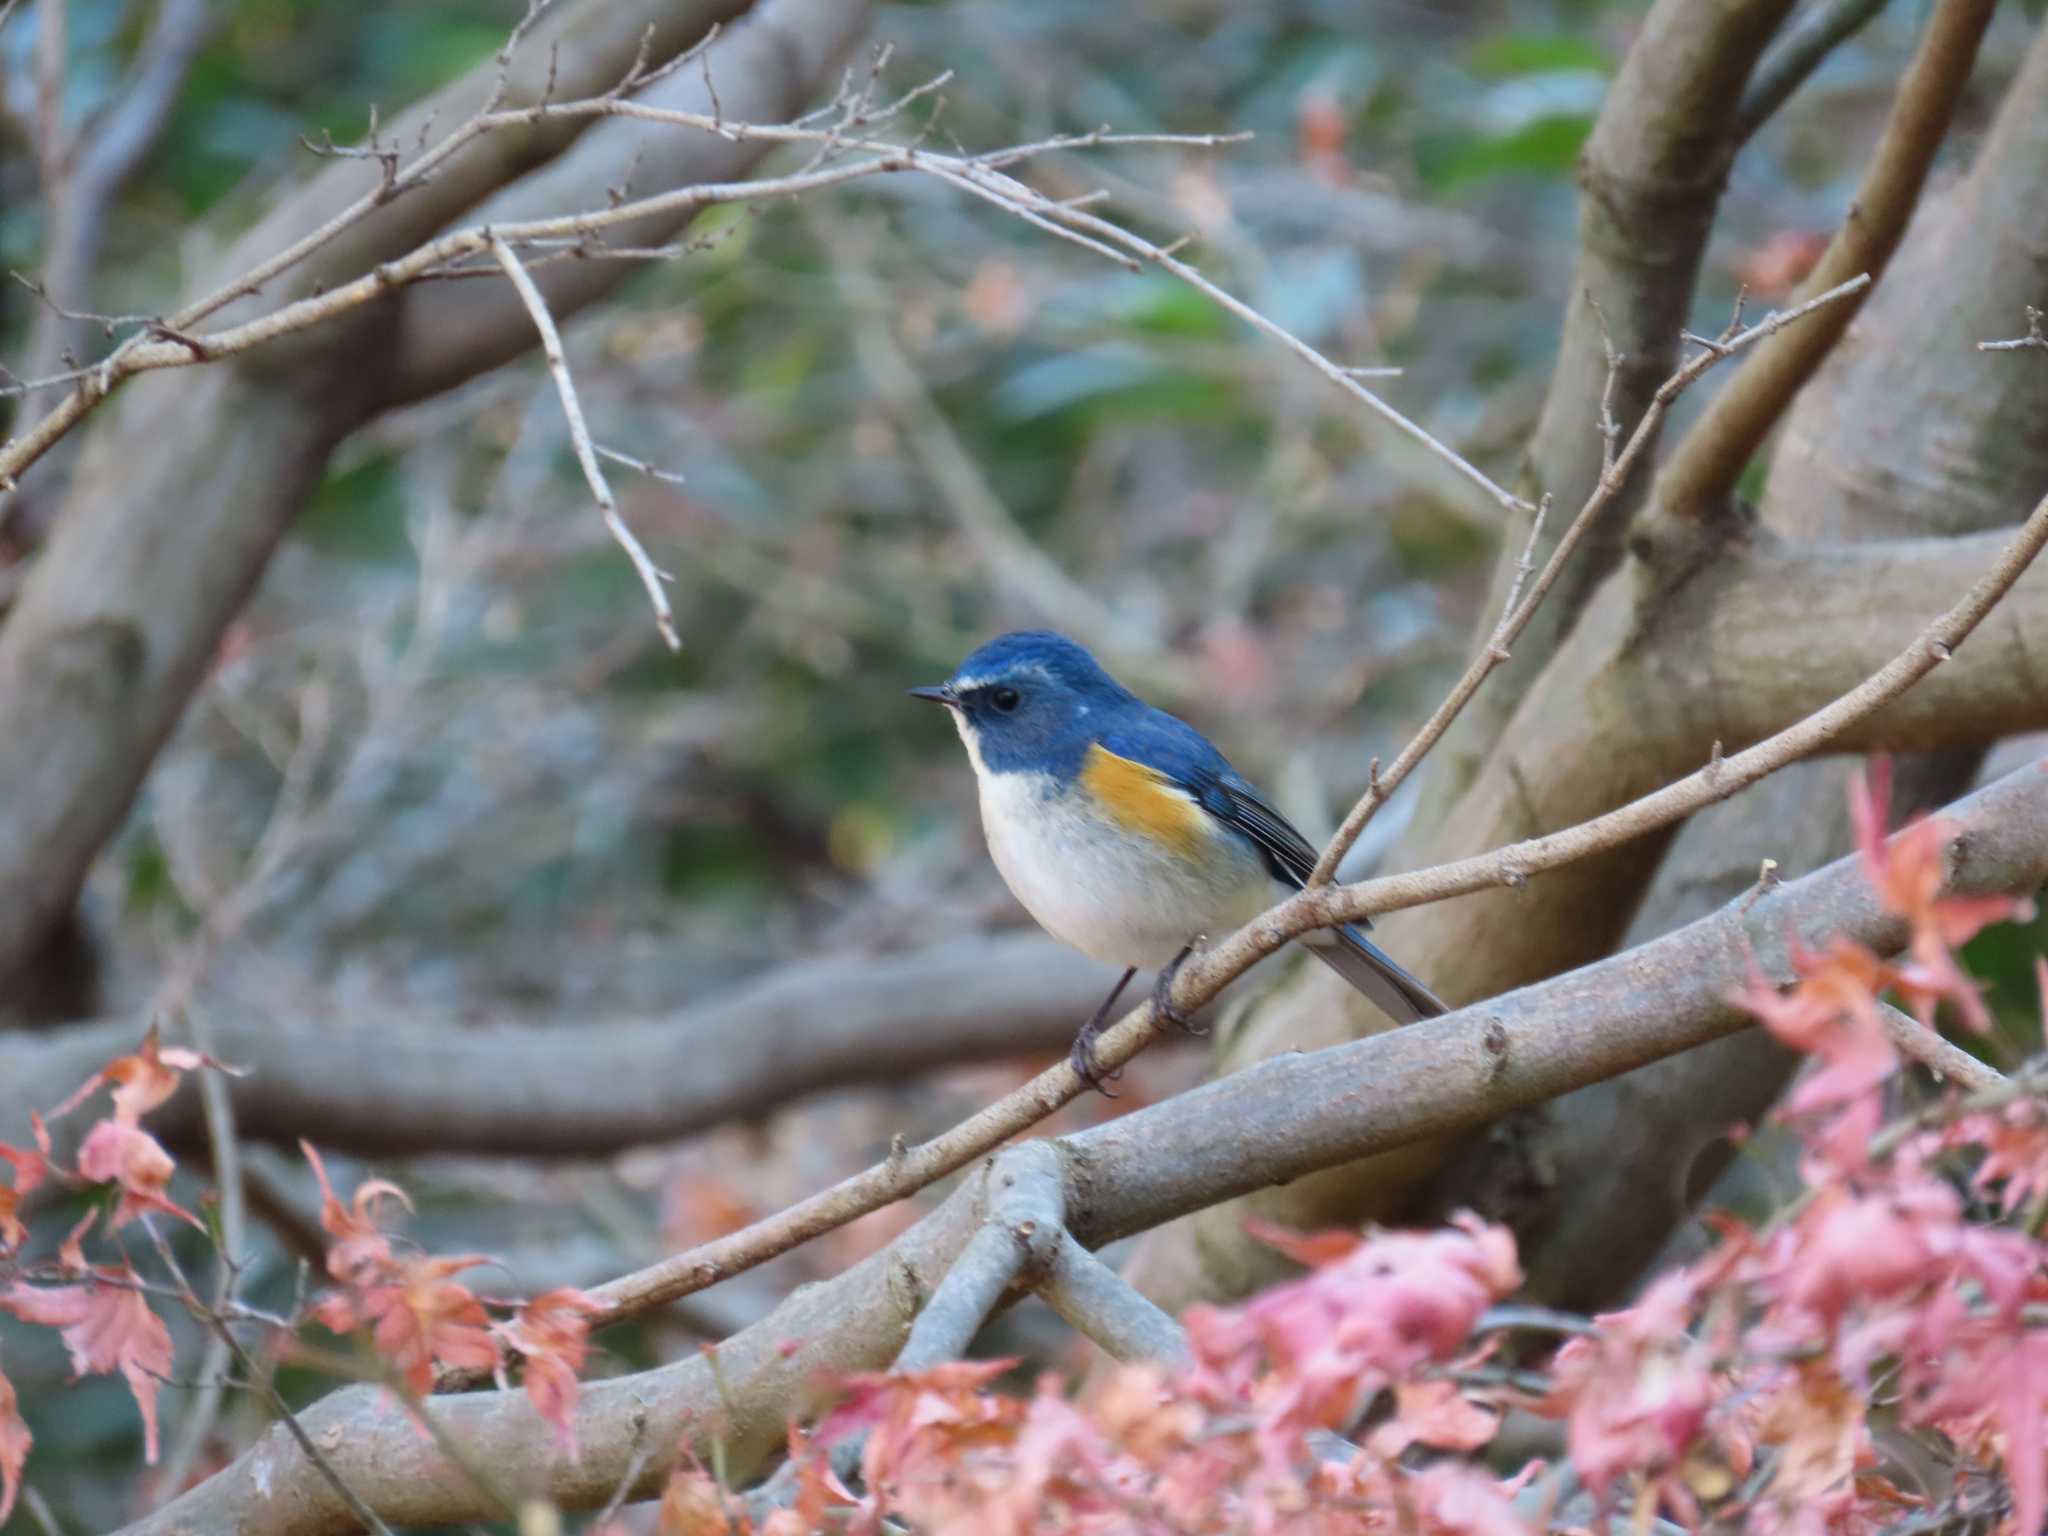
(1125, 832)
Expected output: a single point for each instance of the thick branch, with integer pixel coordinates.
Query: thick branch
(588, 1089)
(1904, 432)
(1100, 1304)
(1650, 183)
(1025, 1225)
(1763, 638)
(1276, 1121)
(1715, 452)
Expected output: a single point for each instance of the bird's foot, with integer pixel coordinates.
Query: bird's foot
(1082, 1057)
(1162, 994)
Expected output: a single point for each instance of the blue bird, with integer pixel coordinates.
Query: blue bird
(1123, 830)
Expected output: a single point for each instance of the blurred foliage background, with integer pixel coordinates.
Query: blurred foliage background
(867, 410)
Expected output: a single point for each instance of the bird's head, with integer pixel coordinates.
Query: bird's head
(1030, 702)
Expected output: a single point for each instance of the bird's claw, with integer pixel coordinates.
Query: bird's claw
(1162, 995)
(1082, 1059)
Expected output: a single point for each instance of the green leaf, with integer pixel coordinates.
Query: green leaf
(1546, 147)
(1508, 55)
(359, 514)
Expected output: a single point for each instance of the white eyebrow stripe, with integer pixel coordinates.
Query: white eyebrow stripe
(1029, 669)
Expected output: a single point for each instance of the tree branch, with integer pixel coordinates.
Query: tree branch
(1275, 1121)
(1517, 614)
(1101, 1305)
(1812, 36)
(419, 1085)
(1706, 464)
(1905, 432)
(91, 168)
(95, 661)
(1015, 1244)
(1650, 180)
(1207, 972)
(652, 579)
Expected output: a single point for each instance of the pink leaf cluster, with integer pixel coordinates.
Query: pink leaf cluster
(1877, 1288)
(1240, 1439)
(422, 1320)
(418, 1315)
(105, 1322)
(551, 1334)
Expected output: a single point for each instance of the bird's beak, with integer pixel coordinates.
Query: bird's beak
(942, 694)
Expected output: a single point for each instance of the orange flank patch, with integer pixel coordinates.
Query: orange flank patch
(1144, 801)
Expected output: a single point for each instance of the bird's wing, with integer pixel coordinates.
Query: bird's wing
(1181, 755)
(1396, 991)
(1235, 803)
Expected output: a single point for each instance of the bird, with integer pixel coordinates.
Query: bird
(1126, 833)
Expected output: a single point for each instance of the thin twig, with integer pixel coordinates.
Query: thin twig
(1164, 259)
(1515, 619)
(980, 175)
(2033, 341)
(651, 577)
(211, 1316)
(1939, 1056)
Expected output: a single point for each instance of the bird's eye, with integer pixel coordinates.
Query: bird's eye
(1004, 700)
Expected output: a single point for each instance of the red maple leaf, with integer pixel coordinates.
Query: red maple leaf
(143, 1081)
(419, 1318)
(1908, 875)
(552, 1333)
(106, 1327)
(121, 1152)
(15, 1441)
(362, 1250)
(30, 1169)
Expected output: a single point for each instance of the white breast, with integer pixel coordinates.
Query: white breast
(1109, 893)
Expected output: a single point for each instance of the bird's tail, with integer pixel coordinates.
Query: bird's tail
(1375, 973)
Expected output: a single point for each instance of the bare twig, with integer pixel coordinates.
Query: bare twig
(651, 577)
(2033, 341)
(171, 342)
(641, 466)
(85, 171)
(204, 1411)
(980, 175)
(217, 1322)
(903, 1173)
(1926, 1046)
(1515, 619)
(1163, 258)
